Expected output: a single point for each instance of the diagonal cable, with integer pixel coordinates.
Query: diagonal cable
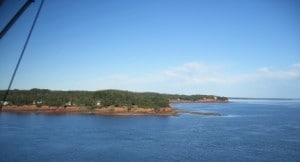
(22, 53)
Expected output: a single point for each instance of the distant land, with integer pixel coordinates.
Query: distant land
(105, 102)
(257, 98)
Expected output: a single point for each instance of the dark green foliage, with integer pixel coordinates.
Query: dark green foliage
(222, 98)
(47, 97)
(90, 99)
(126, 98)
(85, 98)
(195, 97)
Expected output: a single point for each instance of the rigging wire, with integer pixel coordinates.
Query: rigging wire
(15, 18)
(21, 55)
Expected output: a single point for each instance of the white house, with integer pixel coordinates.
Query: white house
(98, 103)
(4, 103)
(68, 103)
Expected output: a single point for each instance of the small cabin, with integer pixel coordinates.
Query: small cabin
(98, 103)
(4, 103)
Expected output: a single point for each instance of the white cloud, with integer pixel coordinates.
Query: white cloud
(193, 76)
(297, 65)
(264, 69)
(291, 73)
(194, 73)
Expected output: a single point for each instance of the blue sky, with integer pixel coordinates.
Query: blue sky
(247, 48)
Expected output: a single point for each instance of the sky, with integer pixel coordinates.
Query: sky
(235, 48)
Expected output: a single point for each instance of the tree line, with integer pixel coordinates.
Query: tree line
(195, 97)
(93, 99)
(90, 99)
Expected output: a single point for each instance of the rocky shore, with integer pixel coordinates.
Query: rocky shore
(118, 111)
(84, 110)
(199, 113)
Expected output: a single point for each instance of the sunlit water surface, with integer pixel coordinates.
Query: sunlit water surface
(248, 131)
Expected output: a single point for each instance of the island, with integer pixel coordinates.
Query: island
(196, 99)
(103, 102)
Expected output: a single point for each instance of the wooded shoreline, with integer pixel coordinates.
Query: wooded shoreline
(104, 102)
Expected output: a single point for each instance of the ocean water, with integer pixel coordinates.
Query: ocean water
(248, 131)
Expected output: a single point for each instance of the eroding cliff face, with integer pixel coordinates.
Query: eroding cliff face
(34, 108)
(84, 110)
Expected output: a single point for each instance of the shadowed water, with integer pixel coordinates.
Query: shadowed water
(248, 131)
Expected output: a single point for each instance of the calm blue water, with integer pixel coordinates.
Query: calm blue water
(250, 131)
